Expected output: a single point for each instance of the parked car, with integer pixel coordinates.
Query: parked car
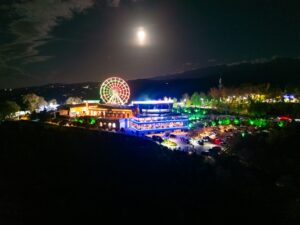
(223, 143)
(157, 138)
(206, 138)
(172, 136)
(167, 134)
(201, 142)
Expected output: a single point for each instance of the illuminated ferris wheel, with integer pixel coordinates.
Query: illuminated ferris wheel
(115, 90)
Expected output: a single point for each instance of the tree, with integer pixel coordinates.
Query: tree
(203, 98)
(175, 102)
(195, 99)
(215, 93)
(188, 103)
(185, 97)
(186, 100)
(73, 100)
(53, 102)
(33, 101)
(166, 98)
(7, 108)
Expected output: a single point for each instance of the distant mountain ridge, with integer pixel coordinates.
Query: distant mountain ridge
(277, 71)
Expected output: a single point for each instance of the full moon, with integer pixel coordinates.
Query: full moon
(141, 36)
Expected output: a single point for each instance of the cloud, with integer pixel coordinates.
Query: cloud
(253, 61)
(236, 63)
(15, 77)
(37, 59)
(258, 60)
(36, 19)
(113, 3)
(116, 3)
(26, 26)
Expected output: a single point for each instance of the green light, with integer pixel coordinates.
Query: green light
(213, 123)
(226, 122)
(251, 122)
(243, 134)
(281, 124)
(93, 121)
(258, 122)
(236, 121)
(261, 123)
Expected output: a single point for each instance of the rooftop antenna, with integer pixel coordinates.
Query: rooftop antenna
(220, 82)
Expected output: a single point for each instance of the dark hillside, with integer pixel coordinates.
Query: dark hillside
(55, 175)
(281, 73)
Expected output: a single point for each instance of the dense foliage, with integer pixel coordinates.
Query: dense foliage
(251, 100)
(33, 101)
(7, 108)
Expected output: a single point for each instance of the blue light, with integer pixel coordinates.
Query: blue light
(162, 129)
(152, 102)
(159, 121)
(157, 116)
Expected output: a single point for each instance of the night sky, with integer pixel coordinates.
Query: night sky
(50, 41)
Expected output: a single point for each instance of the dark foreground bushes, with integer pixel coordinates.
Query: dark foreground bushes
(57, 175)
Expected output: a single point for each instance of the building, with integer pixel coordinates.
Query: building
(109, 111)
(96, 110)
(141, 117)
(73, 110)
(155, 117)
(107, 116)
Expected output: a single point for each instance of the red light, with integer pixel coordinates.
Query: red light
(217, 141)
(285, 118)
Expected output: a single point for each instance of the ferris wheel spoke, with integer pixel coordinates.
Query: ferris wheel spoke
(120, 100)
(111, 99)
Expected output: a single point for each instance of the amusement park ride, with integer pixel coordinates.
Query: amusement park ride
(115, 90)
(140, 117)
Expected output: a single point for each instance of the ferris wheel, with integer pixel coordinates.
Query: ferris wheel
(115, 90)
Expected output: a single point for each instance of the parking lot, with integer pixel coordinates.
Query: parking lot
(182, 141)
(203, 140)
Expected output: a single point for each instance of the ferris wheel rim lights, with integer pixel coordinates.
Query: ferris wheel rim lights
(115, 90)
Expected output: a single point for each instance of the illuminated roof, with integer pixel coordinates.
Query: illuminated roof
(96, 106)
(112, 106)
(153, 102)
(91, 101)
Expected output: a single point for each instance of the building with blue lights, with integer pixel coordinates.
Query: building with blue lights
(155, 117)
